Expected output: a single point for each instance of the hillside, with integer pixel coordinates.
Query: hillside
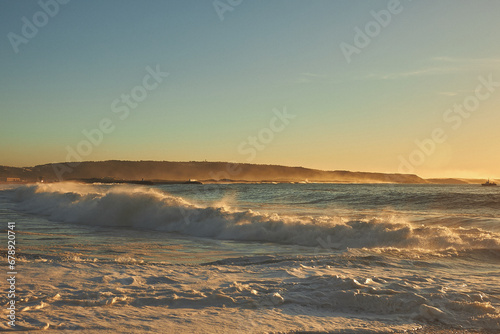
(205, 171)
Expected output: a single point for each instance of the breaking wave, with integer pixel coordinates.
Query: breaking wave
(149, 208)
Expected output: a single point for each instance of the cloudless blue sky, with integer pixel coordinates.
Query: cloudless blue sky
(227, 76)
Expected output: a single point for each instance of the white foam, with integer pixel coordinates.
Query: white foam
(256, 299)
(149, 208)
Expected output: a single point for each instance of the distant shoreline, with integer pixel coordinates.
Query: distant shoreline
(174, 172)
(212, 182)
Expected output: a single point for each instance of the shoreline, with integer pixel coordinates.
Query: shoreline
(210, 172)
(211, 182)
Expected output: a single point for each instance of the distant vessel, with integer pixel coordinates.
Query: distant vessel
(488, 183)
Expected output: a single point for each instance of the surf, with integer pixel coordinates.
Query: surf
(148, 208)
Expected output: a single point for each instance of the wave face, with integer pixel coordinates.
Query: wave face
(153, 209)
(324, 258)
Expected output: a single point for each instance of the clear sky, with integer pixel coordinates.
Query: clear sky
(362, 91)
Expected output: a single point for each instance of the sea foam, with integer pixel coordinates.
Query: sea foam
(140, 207)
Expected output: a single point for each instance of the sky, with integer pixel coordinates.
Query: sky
(380, 86)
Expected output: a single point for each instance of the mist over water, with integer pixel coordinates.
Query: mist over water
(401, 255)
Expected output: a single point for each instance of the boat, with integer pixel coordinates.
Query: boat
(489, 184)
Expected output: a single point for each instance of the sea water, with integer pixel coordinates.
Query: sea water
(253, 258)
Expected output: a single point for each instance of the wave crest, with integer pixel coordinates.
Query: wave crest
(149, 208)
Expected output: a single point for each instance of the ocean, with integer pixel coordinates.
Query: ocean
(253, 258)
